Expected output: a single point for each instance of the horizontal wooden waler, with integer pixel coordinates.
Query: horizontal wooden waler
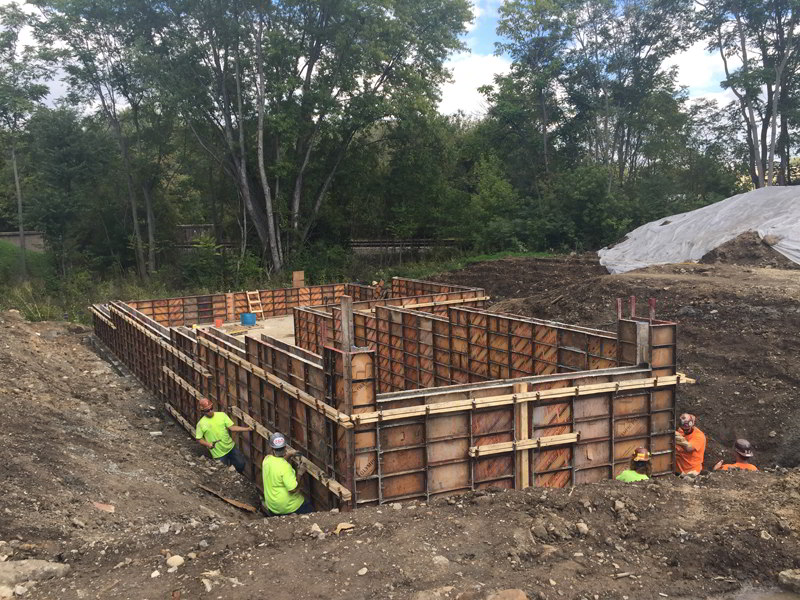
(410, 389)
(513, 399)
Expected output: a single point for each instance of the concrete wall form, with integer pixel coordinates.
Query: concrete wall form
(432, 397)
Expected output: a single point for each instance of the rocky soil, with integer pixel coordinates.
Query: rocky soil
(99, 482)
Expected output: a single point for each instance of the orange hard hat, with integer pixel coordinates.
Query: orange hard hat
(204, 404)
(641, 455)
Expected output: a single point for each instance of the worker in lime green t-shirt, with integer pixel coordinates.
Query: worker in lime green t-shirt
(214, 432)
(640, 467)
(282, 495)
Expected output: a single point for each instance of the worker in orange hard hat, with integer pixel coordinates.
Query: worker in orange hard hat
(690, 446)
(640, 468)
(744, 453)
(214, 432)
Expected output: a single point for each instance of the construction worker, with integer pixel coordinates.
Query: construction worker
(214, 432)
(282, 495)
(690, 446)
(744, 452)
(640, 468)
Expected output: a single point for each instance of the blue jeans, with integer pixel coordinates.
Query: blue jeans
(235, 458)
(304, 509)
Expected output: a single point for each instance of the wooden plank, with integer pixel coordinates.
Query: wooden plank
(163, 343)
(531, 444)
(507, 399)
(179, 418)
(102, 317)
(523, 473)
(307, 399)
(231, 501)
(334, 486)
(182, 382)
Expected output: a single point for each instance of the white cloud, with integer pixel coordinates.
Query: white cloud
(477, 13)
(699, 70)
(470, 71)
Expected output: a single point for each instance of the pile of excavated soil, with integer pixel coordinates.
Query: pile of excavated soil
(748, 250)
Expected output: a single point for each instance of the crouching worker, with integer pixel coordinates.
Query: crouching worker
(744, 453)
(214, 432)
(640, 468)
(282, 495)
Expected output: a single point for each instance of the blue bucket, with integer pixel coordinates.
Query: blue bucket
(248, 318)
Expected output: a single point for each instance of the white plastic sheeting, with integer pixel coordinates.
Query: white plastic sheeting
(690, 236)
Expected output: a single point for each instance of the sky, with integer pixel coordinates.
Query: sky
(698, 70)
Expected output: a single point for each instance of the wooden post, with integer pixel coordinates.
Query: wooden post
(298, 279)
(523, 473)
(347, 323)
(230, 308)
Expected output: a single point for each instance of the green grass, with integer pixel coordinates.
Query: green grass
(427, 268)
(38, 263)
(46, 296)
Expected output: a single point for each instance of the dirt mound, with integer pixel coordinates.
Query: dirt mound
(748, 250)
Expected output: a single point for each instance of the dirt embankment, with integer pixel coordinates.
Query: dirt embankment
(78, 433)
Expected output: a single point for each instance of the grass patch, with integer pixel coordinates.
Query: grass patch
(427, 268)
(45, 296)
(38, 263)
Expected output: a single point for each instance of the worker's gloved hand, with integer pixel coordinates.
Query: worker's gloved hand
(290, 453)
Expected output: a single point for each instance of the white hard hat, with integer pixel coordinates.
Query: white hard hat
(277, 441)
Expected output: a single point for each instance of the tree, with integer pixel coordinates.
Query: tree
(108, 59)
(292, 85)
(21, 71)
(761, 36)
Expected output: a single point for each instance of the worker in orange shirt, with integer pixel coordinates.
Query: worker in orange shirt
(744, 452)
(690, 446)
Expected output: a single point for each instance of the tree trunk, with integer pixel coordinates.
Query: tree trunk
(262, 172)
(151, 228)
(774, 124)
(544, 128)
(751, 117)
(22, 260)
(137, 232)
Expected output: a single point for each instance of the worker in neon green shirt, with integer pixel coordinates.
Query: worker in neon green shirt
(214, 432)
(640, 468)
(282, 495)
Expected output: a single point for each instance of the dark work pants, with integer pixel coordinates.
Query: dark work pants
(235, 458)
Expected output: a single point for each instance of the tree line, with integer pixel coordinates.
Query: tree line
(297, 125)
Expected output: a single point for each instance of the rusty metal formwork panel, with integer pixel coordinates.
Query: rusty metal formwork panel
(444, 398)
(583, 436)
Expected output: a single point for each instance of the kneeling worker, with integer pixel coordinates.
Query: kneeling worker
(690, 446)
(214, 432)
(640, 468)
(744, 452)
(282, 495)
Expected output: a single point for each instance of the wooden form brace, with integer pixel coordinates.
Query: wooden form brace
(529, 444)
(393, 414)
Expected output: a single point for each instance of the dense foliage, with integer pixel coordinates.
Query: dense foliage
(293, 127)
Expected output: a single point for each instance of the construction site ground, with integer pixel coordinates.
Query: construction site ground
(80, 439)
